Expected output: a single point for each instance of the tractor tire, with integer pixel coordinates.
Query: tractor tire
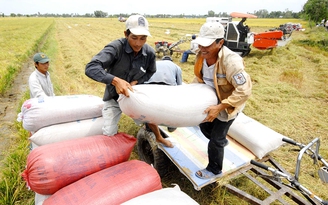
(150, 153)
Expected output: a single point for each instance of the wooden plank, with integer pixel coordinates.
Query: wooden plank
(243, 195)
(276, 196)
(279, 186)
(281, 189)
(189, 154)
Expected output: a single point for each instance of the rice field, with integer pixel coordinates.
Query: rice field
(289, 83)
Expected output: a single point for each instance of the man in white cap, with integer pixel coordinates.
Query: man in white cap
(219, 67)
(39, 81)
(120, 65)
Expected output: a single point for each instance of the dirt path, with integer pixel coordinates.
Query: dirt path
(8, 108)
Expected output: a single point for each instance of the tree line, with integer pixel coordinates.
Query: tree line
(101, 14)
(313, 10)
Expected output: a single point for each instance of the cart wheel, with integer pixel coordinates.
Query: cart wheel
(150, 153)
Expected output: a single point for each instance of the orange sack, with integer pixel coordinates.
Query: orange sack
(113, 185)
(53, 166)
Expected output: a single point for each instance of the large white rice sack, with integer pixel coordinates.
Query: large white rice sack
(172, 196)
(44, 111)
(176, 106)
(69, 130)
(39, 198)
(256, 137)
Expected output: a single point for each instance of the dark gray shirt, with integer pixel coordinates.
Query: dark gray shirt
(117, 59)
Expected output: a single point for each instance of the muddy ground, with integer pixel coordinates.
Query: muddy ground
(9, 103)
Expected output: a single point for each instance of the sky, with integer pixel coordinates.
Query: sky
(175, 7)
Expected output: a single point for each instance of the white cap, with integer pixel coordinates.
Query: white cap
(209, 32)
(138, 25)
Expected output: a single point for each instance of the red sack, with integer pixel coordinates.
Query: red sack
(53, 166)
(113, 185)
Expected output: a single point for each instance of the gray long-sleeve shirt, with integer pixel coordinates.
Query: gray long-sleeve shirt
(117, 59)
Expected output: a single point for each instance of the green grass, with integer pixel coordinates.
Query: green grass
(20, 38)
(12, 186)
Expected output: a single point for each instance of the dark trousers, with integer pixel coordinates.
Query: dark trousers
(216, 132)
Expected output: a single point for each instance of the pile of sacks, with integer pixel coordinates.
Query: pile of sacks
(59, 118)
(73, 163)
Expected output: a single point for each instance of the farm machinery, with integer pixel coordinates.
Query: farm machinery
(240, 38)
(288, 29)
(121, 19)
(167, 48)
(237, 38)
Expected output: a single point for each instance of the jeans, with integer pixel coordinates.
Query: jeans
(185, 56)
(216, 132)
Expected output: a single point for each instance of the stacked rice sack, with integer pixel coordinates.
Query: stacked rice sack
(90, 170)
(73, 163)
(165, 196)
(258, 138)
(58, 118)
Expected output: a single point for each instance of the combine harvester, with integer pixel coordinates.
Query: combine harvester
(241, 40)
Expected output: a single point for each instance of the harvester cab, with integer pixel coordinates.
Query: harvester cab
(237, 39)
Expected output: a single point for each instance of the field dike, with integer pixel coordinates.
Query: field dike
(8, 106)
(13, 139)
(10, 100)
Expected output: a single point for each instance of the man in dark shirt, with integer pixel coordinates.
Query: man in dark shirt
(120, 65)
(243, 29)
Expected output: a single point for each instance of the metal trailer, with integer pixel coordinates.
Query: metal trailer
(190, 154)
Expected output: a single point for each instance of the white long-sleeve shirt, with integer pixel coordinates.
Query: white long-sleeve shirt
(40, 84)
(193, 46)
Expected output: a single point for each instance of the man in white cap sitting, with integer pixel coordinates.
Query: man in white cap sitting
(219, 67)
(120, 65)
